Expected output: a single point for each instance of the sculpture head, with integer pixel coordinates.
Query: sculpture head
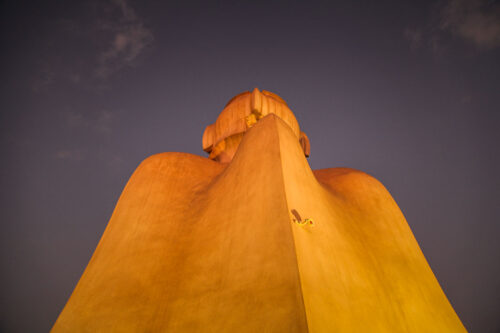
(222, 138)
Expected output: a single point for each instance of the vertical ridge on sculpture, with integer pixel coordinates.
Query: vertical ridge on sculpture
(251, 239)
(378, 246)
(226, 249)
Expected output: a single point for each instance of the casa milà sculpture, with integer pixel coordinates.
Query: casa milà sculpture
(252, 240)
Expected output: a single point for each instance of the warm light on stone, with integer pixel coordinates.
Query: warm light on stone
(252, 240)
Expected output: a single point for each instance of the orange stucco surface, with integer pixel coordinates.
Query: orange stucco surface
(195, 245)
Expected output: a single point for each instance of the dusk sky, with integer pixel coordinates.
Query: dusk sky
(408, 92)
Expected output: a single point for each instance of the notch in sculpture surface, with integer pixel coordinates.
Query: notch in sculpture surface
(252, 240)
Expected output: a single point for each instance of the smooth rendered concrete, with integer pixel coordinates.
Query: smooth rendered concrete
(195, 245)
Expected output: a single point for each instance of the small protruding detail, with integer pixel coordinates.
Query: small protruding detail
(304, 142)
(256, 102)
(208, 138)
(298, 220)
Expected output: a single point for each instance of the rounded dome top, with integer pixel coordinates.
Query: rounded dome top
(242, 112)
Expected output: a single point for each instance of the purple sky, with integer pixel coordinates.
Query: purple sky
(406, 91)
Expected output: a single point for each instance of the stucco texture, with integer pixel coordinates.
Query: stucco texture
(195, 245)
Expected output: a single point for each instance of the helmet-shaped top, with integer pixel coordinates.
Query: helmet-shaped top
(221, 139)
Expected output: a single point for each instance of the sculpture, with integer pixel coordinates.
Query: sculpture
(252, 240)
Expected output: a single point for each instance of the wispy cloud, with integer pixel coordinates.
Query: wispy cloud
(103, 122)
(88, 124)
(69, 155)
(112, 160)
(100, 123)
(414, 36)
(130, 38)
(475, 22)
(87, 49)
(43, 80)
(97, 125)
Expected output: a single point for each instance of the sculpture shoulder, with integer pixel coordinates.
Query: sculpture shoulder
(172, 172)
(173, 162)
(353, 185)
(174, 159)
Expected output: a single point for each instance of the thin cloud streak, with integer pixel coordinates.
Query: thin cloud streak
(43, 80)
(69, 155)
(110, 37)
(129, 41)
(101, 124)
(475, 22)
